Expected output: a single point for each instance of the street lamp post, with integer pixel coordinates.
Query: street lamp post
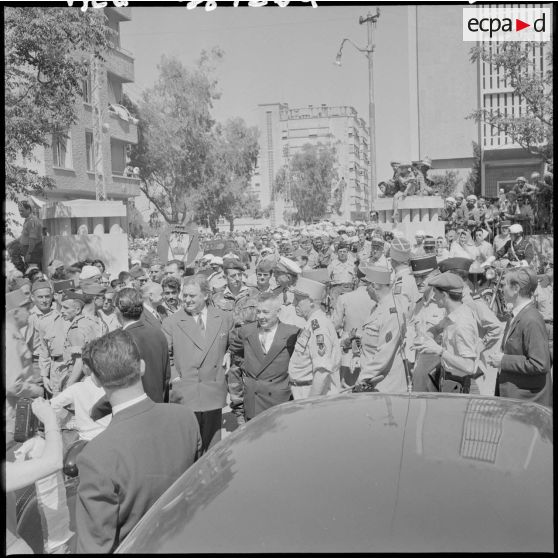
(370, 20)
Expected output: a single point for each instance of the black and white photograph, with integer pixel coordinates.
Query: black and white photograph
(279, 277)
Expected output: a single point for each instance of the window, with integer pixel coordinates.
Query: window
(86, 89)
(62, 151)
(89, 152)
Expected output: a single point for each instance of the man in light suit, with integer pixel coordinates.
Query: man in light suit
(525, 359)
(197, 336)
(263, 350)
(145, 448)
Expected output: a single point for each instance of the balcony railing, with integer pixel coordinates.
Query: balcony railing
(120, 62)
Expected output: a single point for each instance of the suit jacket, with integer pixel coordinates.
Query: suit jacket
(199, 375)
(153, 349)
(149, 318)
(525, 369)
(265, 376)
(124, 470)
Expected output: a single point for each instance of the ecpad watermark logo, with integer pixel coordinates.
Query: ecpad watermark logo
(507, 24)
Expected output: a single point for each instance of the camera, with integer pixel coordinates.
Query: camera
(26, 423)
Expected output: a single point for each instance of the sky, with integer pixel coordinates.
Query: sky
(284, 55)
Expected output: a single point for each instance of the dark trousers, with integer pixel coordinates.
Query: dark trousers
(210, 427)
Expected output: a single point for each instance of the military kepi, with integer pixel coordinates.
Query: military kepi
(308, 287)
(455, 264)
(423, 264)
(448, 282)
(377, 274)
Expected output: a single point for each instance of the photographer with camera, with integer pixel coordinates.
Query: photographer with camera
(46, 459)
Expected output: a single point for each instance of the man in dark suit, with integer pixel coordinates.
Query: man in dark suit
(197, 336)
(145, 448)
(151, 343)
(262, 350)
(525, 361)
(153, 313)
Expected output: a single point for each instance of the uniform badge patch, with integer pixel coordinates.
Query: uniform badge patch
(397, 289)
(393, 310)
(303, 339)
(389, 336)
(320, 339)
(321, 345)
(315, 325)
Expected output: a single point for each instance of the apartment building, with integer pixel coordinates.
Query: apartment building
(284, 131)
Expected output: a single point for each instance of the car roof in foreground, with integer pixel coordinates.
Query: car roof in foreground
(367, 473)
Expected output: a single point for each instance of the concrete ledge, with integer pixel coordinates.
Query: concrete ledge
(82, 208)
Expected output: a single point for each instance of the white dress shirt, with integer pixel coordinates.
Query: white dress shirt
(125, 405)
(266, 338)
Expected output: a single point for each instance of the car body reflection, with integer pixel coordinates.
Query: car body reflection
(367, 473)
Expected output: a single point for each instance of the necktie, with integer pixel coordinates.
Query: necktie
(506, 330)
(199, 319)
(263, 339)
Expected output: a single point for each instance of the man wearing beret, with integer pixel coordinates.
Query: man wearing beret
(235, 293)
(381, 342)
(93, 298)
(81, 330)
(524, 362)
(341, 273)
(315, 362)
(404, 284)
(458, 352)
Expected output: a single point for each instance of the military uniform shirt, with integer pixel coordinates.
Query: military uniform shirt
(341, 272)
(52, 329)
(380, 345)
(317, 349)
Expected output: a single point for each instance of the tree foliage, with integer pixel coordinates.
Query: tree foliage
(533, 129)
(308, 180)
(47, 52)
(232, 160)
(175, 135)
(190, 166)
(446, 184)
(473, 183)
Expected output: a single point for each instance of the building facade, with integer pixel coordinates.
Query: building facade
(284, 131)
(446, 87)
(70, 160)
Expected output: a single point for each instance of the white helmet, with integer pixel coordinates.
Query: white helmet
(516, 229)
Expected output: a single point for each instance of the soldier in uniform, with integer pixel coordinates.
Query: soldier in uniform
(458, 351)
(341, 273)
(217, 280)
(235, 293)
(459, 214)
(81, 330)
(315, 362)
(286, 274)
(489, 327)
(377, 254)
(404, 284)
(447, 214)
(425, 315)
(518, 248)
(382, 334)
(350, 313)
(93, 297)
(49, 333)
(472, 213)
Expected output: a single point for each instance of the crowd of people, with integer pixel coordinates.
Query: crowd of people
(141, 363)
